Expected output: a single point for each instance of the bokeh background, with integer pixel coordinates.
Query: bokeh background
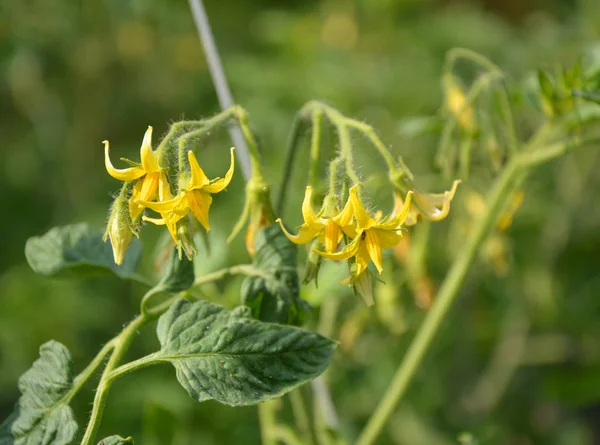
(518, 359)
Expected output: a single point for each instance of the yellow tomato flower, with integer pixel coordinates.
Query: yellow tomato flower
(431, 206)
(371, 235)
(149, 176)
(327, 229)
(457, 104)
(194, 197)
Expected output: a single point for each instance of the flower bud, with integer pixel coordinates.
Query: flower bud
(185, 236)
(313, 264)
(119, 228)
(363, 286)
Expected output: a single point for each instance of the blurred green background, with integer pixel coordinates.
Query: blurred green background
(518, 361)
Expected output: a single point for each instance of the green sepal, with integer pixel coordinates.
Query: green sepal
(274, 296)
(78, 250)
(231, 358)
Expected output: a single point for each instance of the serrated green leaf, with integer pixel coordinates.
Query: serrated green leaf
(76, 250)
(116, 440)
(178, 274)
(275, 295)
(231, 358)
(45, 417)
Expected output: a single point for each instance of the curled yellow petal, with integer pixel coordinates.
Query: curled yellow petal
(347, 252)
(344, 218)
(399, 214)
(221, 183)
(147, 155)
(435, 207)
(305, 233)
(126, 174)
(310, 218)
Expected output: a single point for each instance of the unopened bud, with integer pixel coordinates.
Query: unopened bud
(186, 240)
(313, 264)
(363, 286)
(119, 228)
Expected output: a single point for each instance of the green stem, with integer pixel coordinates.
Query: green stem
(315, 149)
(457, 53)
(120, 345)
(466, 145)
(287, 436)
(266, 417)
(242, 118)
(294, 140)
(300, 415)
(443, 301)
(85, 375)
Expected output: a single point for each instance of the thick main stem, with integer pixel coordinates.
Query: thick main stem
(444, 299)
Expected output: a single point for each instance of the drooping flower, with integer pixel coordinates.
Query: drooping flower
(457, 104)
(431, 206)
(328, 229)
(193, 197)
(150, 178)
(371, 235)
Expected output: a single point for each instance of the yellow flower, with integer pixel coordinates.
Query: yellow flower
(371, 235)
(457, 104)
(194, 197)
(150, 178)
(431, 206)
(327, 229)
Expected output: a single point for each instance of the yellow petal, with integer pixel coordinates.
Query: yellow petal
(399, 215)
(344, 218)
(333, 236)
(147, 155)
(135, 208)
(126, 174)
(199, 179)
(362, 258)
(347, 252)
(435, 207)
(177, 204)
(221, 183)
(171, 226)
(199, 202)
(305, 233)
(164, 189)
(389, 238)
(374, 248)
(310, 219)
(363, 219)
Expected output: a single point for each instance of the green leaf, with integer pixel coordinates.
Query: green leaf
(546, 86)
(178, 274)
(274, 296)
(116, 440)
(231, 358)
(6, 437)
(76, 250)
(45, 417)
